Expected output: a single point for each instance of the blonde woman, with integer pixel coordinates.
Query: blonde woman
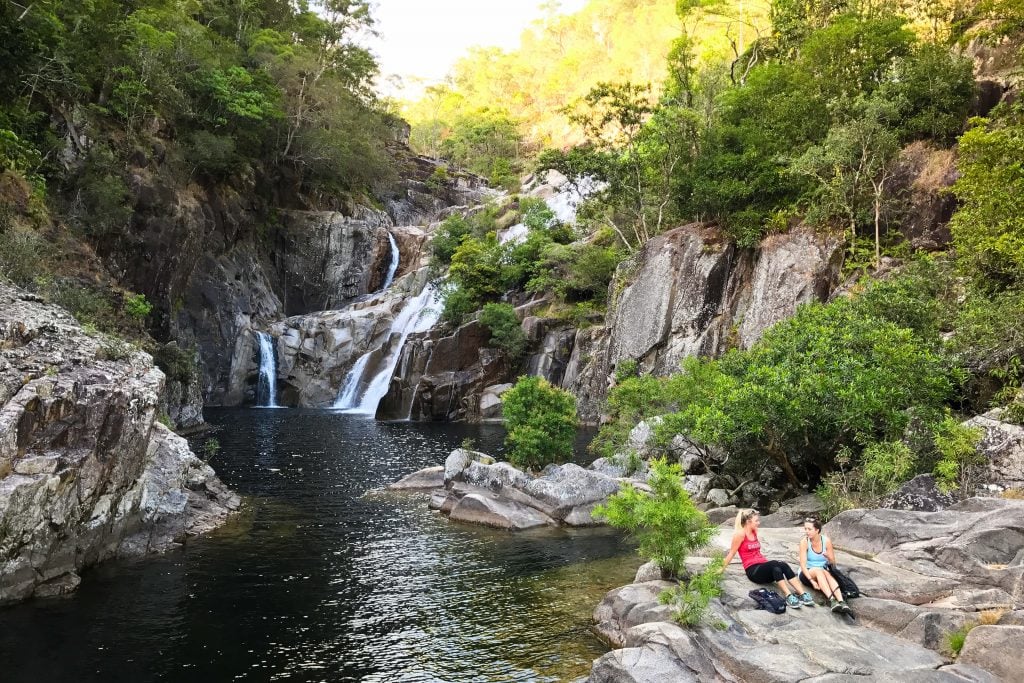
(759, 569)
(816, 554)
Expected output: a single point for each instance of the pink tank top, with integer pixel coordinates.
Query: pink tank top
(750, 552)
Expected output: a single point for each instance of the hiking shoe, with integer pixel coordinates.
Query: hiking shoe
(837, 607)
(807, 600)
(844, 608)
(792, 601)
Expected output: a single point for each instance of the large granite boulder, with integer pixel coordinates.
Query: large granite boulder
(1002, 443)
(921, 494)
(898, 635)
(472, 487)
(86, 473)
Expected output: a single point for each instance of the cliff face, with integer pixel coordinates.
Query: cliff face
(688, 292)
(86, 473)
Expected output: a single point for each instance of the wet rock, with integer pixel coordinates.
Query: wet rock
(425, 479)
(489, 510)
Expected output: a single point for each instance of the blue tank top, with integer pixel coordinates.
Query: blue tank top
(816, 560)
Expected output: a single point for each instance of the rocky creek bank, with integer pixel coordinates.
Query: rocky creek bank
(922, 574)
(87, 473)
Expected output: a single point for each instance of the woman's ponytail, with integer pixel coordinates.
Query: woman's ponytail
(742, 517)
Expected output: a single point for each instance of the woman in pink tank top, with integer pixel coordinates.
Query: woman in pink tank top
(757, 567)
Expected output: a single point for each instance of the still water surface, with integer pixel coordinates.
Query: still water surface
(318, 580)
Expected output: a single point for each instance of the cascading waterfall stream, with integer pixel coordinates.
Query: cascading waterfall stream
(393, 267)
(417, 315)
(266, 390)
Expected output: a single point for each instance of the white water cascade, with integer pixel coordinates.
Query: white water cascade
(564, 203)
(393, 266)
(266, 390)
(360, 394)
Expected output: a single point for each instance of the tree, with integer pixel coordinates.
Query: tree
(853, 166)
(505, 328)
(665, 522)
(988, 228)
(541, 422)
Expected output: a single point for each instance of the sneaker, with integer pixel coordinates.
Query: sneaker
(837, 607)
(807, 600)
(844, 608)
(792, 601)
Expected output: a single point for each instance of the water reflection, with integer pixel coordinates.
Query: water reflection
(318, 582)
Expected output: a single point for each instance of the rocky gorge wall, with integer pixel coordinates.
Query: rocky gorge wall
(86, 471)
(688, 292)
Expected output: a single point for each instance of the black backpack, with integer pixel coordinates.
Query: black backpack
(846, 584)
(769, 600)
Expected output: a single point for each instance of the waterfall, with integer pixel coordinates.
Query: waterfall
(360, 392)
(393, 267)
(266, 390)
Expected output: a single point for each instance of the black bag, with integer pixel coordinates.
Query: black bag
(769, 600)
(846, 584)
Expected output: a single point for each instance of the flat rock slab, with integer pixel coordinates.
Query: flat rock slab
(423, 480)
(487, 510)
(997, 649)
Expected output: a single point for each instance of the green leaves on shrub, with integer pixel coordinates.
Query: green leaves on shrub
(505, 328)
(666, 523)
(957, 445)
(541, 422)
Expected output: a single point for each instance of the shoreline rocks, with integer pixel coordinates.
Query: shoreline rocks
(472, 487)
(924, 575)
(86, 472)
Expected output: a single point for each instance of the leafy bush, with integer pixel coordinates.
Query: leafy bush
(177, 363)
(541, 422)
(988, 228)
(690, 599)
(887, 464)
(22, 254)
(505, 328)
(957, 445)
(666, 523)
(137, 307)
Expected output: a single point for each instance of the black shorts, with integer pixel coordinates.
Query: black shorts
(767, 572)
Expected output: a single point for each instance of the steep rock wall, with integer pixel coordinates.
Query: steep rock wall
(86, 473)
(688, 292)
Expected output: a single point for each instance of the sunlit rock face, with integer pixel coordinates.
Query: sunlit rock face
(86, 473)
(921, 575)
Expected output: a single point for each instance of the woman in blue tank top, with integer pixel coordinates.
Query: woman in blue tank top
(816, 554)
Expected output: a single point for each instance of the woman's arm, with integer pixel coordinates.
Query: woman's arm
(829, 553)
(803, 556)
(737, 539)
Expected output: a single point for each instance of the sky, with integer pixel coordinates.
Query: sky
(421, 39)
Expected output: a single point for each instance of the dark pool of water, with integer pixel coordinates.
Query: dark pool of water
(319, 581)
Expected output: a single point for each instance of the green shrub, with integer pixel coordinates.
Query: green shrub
(457, 304)
(211, 447)
(505, 328)
(88, 305)
(666, 523)
(955, 639)
(988, 228)
(137, 307)
(887, 465)
(959, 459)
(22, 254)
(690, 599)
(177, 363)
(541, 422)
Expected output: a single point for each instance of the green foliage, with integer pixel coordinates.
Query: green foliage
(690, 599)
(887, 464)
(832, 376)
(177, 363)
(505, 328)
(955, 639)
(541, 422)
(959, 458)
(665, 522)
(136, 306)
(988, 228)
(211, 447)
(488, 143)
(22, 253)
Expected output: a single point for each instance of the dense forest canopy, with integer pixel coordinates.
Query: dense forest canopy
(229, 84)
